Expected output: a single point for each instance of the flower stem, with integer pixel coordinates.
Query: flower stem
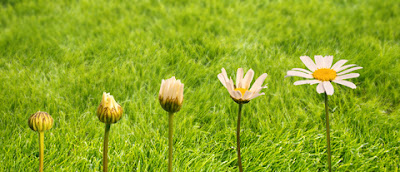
(41, 150)
(105, 148)
(328, 137)
(170, 132)
(238, 139)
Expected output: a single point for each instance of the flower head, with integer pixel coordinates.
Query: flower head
(241, 92)
(40, 121)
(322, 72)
(171, 95)
(109, 111)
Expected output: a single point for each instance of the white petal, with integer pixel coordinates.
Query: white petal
(309, 63)
(348, 76)
(349, 70)
(302, 70)
(256, 91)
(346, 83)
(319, 61)
(230, 89)
(259, 81)
(320, 88)
(256, 95)
(247, 95)
(224, 74)
(328, 61)
(239, 77)
(311, 82)
(328, 87)
(237, 94)
(221, 78)
(338, 65)
(297, 73)
(247, 79)
(229, 86)
(345, 67)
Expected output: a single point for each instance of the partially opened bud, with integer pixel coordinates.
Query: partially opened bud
(171, 95)
(40, 121)
(109, 111)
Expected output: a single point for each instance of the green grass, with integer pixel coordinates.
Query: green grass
(59, 56)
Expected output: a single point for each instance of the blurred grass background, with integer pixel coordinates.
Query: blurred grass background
(59, 56)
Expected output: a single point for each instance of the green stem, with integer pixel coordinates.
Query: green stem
(41, 150)
(170, 132)
(105, 148)
(328, 137)
(238, 139)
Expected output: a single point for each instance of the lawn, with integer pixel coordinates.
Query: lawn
(60, 56)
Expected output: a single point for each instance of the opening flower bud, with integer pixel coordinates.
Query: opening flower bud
(40, 121)
(109, 111)
(171, 95)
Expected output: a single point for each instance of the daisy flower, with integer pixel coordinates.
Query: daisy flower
(322, 72)
(241, 92)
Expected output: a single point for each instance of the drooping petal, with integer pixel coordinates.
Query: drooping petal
(320, 88)
(348, 76)
(345, 67)
(247, 95)
(224, 74)
(256, 91)
(319, 61)
(237, 94)
(239, 78)
(349, 70)
(247, 79)
(258, 82)
(220, 77)
(328, 87)
(345, 83)
(302, 70)
(311, 82)
(338, 65)
(256, 95)
(328, 61)
(309, 63)
(297, 73)
(229, 86)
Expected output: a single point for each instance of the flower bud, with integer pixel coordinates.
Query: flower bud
(40, 121)
(171, 95)
(109, 111)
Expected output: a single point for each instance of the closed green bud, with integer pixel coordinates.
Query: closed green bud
(40, 121)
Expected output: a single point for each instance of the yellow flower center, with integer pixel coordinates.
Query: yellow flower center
(242, 90)
(324, 74)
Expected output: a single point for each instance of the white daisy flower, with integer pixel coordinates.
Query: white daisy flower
(323, 73)
(241, 92)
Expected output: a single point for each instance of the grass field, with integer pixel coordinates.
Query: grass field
(59, 57)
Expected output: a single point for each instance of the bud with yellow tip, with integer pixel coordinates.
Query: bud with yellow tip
(40, 122)
(109, 111)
